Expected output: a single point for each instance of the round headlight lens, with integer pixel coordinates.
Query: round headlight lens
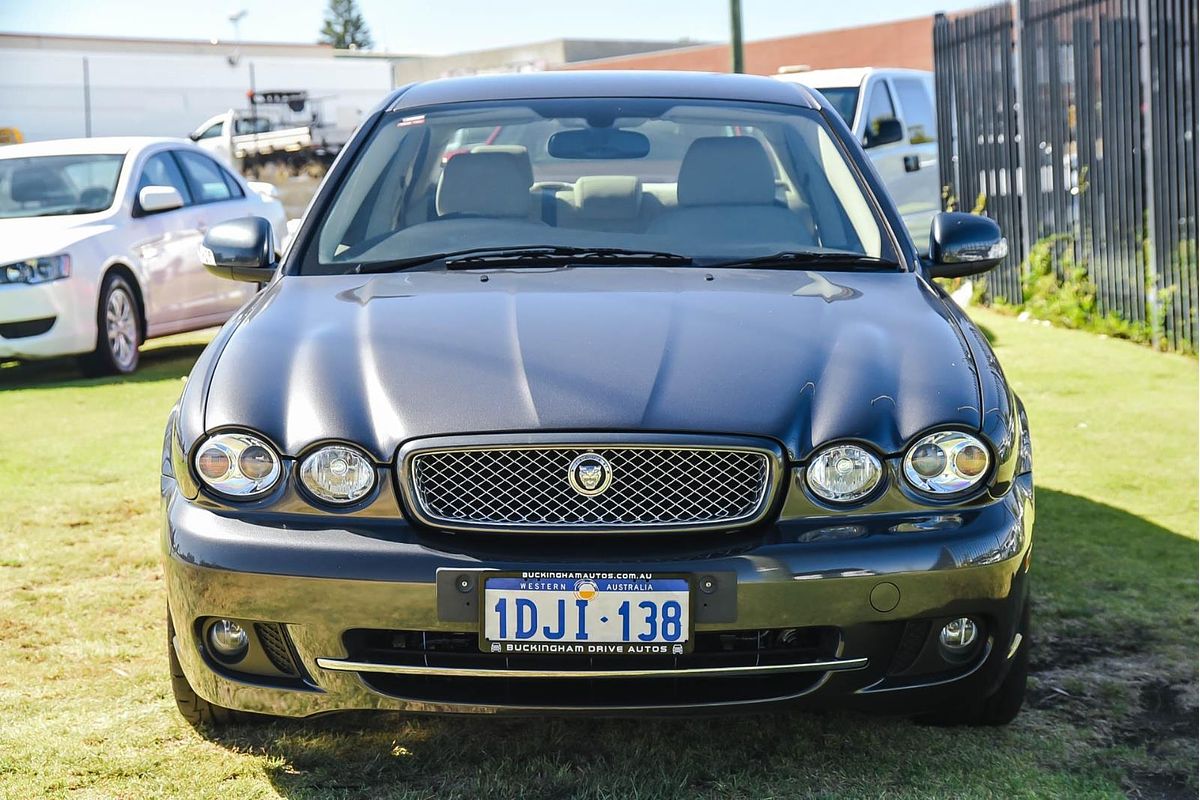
(843, 473)
(237, 464)
(946, 462)
(337, 474)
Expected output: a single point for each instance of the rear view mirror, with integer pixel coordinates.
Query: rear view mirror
(241, 249)
(964, 244)
(598, 143)
(154, 199)
(883, 131)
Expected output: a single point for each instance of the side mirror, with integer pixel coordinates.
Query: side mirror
(154, 199)
(885, 131)
(241, 249)
(194, 136)
(964, 244)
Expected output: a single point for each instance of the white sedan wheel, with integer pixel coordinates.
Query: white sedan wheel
(121, 327)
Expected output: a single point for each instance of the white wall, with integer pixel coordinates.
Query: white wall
(41, 91)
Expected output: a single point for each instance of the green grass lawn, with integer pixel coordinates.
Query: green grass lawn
(86, 710)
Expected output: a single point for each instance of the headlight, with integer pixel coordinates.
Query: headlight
(946, 462)
(237, 464)
(843, 473)
(337, 474)
(36, 270)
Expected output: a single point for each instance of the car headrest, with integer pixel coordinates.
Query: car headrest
(608, 196)
(487, 184)
(726, 170)
(32, 184)
(515, 149)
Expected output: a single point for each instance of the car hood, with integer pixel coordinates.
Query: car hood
(32, 237)
(802, 357)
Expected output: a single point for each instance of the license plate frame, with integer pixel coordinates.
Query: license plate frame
(592, 646)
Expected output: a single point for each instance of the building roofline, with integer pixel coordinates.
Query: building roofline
(86, 37)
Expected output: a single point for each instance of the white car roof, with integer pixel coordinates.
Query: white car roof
(119, 145)
(848, 76)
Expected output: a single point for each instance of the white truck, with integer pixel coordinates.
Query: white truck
(892, 113)
(268, 134)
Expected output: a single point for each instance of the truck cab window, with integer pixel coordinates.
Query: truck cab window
(879, 108)
(917, 108)
(211, 132)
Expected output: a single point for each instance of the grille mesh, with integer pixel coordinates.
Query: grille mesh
(651, 486)
(276, 647)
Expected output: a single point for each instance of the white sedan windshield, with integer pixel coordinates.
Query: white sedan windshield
(42, 186)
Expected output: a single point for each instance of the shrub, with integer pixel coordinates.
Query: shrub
(1067, 296)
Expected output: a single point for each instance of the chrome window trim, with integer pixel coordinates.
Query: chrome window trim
(574, 440)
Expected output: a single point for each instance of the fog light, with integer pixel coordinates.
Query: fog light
(228, 640)
(959, 634)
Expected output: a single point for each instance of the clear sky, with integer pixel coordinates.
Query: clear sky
(449, 26)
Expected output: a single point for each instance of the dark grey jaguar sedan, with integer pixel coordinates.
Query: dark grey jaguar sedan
(599, 393)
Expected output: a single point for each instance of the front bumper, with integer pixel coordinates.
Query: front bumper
(47, 320)
(895, 578)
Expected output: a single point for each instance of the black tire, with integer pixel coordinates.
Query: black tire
(118, 330)
(192, 707)
(1002, 706)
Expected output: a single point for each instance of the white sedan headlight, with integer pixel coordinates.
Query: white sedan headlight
(237, 464)
(36, 270)
(843, 473)
(337, 474)
(946, 462)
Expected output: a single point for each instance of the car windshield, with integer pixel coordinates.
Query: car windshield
(705, 180)
(43, 186)
(844, 100)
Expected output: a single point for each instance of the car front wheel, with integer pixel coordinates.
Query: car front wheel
(118, 334)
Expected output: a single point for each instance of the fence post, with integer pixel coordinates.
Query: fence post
(1148, 229)
(1022, 171)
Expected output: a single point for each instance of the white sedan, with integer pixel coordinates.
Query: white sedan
(99, 246)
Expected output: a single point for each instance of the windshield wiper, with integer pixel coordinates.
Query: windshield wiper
(522, 255)
(558, 254)
(799, 258)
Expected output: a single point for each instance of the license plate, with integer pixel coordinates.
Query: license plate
(586, 614)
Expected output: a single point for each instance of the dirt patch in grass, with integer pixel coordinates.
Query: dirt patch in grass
(1060, 651)
(1165, 725)
(1137, 704)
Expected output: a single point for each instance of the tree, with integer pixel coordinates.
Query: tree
(344, 26)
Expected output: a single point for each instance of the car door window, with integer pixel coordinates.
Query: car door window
(235, 188)
(204, 176)
(879, 108)
(917, 109)
(161, 170)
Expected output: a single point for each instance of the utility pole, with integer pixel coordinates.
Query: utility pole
(735, 29)
(87, 99)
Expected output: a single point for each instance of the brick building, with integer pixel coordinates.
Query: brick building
(903, 43)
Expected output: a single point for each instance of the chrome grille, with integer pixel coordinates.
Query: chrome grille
(652, 486)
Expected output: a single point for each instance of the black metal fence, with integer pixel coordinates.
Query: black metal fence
(1076, 119)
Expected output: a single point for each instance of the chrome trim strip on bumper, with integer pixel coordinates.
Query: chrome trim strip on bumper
(837, 665)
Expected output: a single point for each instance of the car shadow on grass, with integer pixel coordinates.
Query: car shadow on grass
(1112, 705)
(157, 363)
